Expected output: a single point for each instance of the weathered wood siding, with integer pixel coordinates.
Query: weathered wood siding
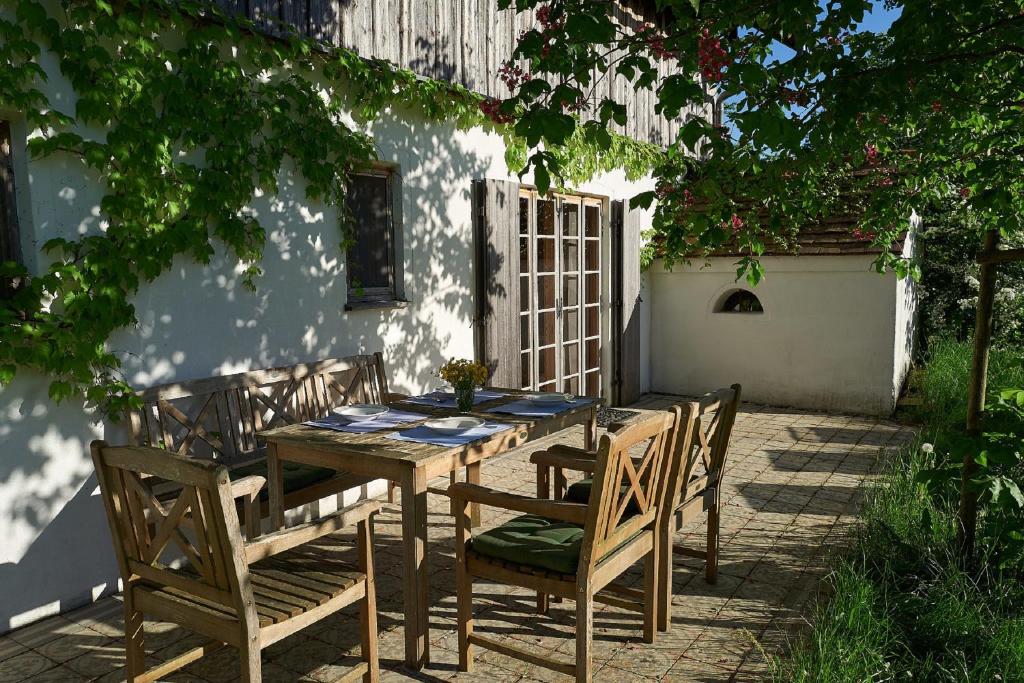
(463, 41)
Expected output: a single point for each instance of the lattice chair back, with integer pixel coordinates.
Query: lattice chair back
(627, 486)
(200, 524)
(704, 442)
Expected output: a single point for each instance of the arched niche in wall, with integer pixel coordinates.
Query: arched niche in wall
(738, 301)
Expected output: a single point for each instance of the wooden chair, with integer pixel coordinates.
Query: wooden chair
(247, 595)
(571, 550)
(700, 446)
(220, 419)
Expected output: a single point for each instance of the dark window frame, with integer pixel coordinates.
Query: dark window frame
(10, 232)
(391, 295)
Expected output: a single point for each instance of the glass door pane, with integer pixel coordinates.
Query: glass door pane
(591, 322)
(546, 300)
(570, 304)
(526, 290)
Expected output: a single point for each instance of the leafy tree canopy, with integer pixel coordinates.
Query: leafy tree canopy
(878, 123)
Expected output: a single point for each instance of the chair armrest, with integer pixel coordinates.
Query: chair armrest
(574, 459)
(575, 513)
(248, 487)
(286, 539)
(572, 451)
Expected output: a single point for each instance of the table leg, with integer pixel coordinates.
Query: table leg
(415, 570)
(590, 431)
(275, 488)
(473, 477)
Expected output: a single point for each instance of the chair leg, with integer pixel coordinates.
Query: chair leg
(652, 596)
(368, 606)
(134, 639)
(663, 548)
(391, 490)
(711, 562)
(584, 638)
(463, 586)
(452, 478)
(543, 493)
(252, 668)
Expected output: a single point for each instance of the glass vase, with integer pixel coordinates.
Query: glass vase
(464, 398)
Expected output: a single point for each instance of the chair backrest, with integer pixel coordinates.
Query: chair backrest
(702, 443)
(219, 418)
(627, 486)
(200, 524)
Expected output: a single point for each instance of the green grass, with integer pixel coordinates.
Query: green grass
(943, 381)
(898, 607)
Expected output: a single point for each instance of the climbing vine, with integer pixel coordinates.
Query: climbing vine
(184, 115)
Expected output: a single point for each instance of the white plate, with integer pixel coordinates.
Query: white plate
(454, 425)
(548, 397)
(358, 413)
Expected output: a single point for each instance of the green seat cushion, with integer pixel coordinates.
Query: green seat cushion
(534, 541)
(296, 477)
(579, 492)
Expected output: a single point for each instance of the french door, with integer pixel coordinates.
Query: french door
(560, 292)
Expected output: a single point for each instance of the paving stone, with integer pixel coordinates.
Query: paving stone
(24, 665)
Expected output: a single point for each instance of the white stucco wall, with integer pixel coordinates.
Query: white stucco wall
(905, 339)
(198, 321)
(826, 338)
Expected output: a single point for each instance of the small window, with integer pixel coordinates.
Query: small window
(741, 301)
(371, 254)
(10, 243)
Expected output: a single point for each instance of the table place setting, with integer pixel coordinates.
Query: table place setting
(363, 419)
(451, 431)
(445, 398)
(541, 404)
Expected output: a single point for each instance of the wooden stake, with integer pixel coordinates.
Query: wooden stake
(968, 512)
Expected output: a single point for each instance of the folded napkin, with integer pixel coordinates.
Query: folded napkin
(388, 420)
(441, 399)
(527, 408)
(423, 434)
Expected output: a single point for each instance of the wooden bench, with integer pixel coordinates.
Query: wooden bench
(221, 418)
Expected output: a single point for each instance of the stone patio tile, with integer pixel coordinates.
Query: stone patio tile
(23, 666)
(74, 645)
(59, 674)
(9, 647)
(688, 670)
(44, 631)
(99, 660)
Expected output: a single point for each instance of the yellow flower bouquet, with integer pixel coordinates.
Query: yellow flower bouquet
(464, 376)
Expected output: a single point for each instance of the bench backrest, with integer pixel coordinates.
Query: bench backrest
(219, 418)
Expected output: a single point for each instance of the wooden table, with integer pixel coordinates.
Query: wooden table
(412, 465)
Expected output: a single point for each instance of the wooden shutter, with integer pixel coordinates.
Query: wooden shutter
(625, 304)
(497, 268)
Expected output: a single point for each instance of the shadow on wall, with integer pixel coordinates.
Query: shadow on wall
(51, 520)
(200, 321)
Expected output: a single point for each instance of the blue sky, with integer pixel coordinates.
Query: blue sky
(879, 19)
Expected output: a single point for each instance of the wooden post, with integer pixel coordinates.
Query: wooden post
(968, 512)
